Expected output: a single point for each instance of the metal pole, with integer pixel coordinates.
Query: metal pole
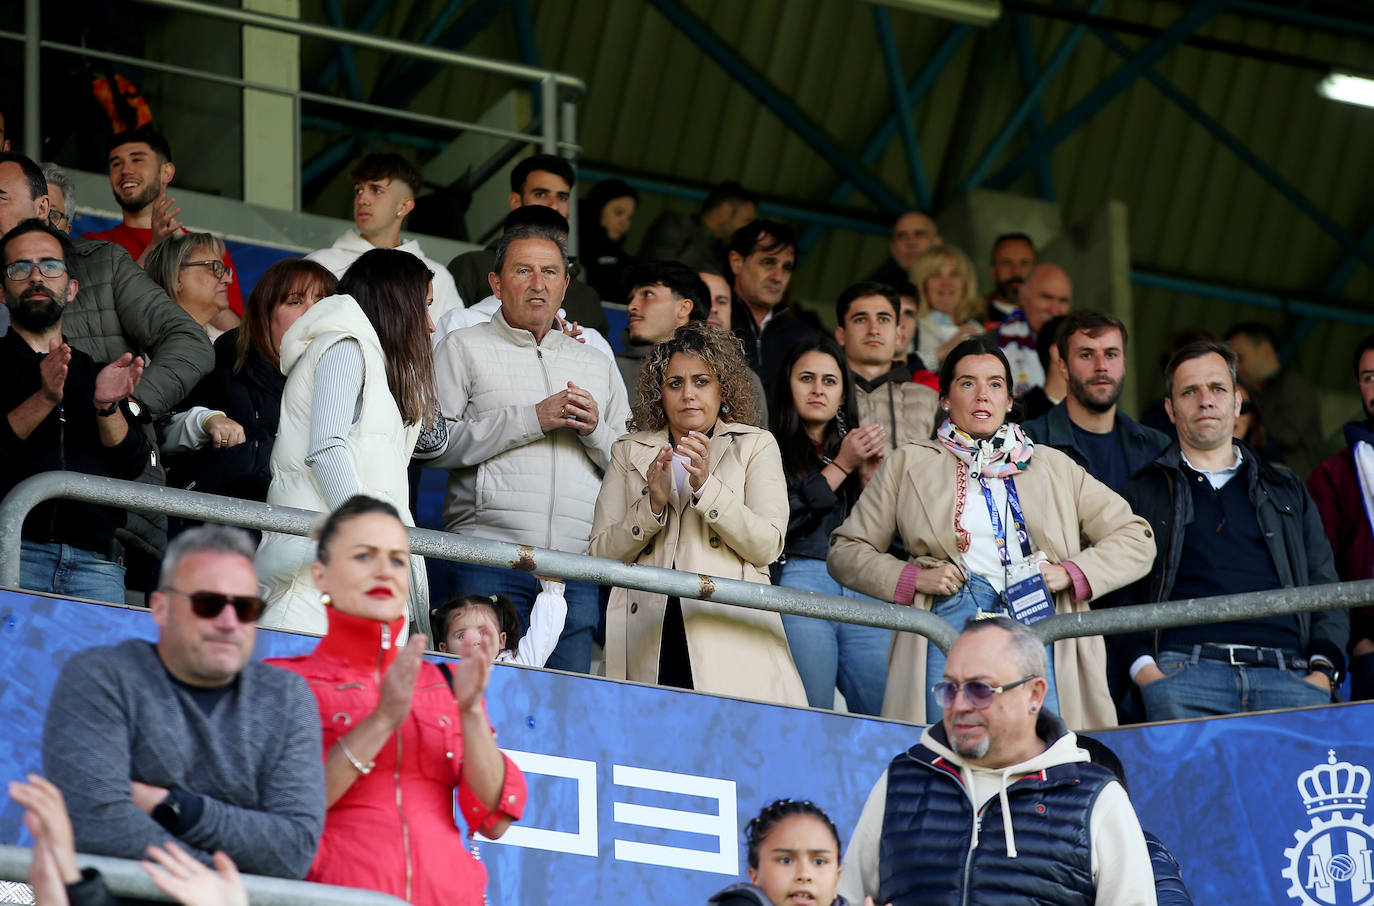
(125, 878)
(567, 122)
(33, 124)
(548, 110)
(296, 182)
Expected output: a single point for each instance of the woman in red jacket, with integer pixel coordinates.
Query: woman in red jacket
(399, 737)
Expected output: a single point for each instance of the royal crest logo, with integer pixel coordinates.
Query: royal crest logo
(1331, 863)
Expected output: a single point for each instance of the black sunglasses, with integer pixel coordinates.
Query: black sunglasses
(208, 604)
(978, 693)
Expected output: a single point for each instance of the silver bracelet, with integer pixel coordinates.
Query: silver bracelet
(357, 765)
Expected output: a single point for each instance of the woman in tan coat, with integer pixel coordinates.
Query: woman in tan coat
(982, 510)
(696, 488)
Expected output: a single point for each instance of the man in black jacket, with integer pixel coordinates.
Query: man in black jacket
(62, 412)
(762, 257)
(1227, 522)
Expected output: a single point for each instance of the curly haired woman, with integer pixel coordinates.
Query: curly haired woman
(697, 487)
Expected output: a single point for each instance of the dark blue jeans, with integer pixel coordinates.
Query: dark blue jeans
(1194, 687)
(70, 571)
(574, 651)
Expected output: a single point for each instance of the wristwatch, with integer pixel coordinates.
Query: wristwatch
(167, 812)
(108, 410)
(1332, 675)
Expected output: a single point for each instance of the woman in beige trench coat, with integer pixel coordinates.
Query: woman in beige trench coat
(696, 488)
(931, 496)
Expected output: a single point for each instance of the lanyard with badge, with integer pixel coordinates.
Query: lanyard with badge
(1027, 595)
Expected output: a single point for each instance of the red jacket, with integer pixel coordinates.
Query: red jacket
(394, 829)
(1335, 488)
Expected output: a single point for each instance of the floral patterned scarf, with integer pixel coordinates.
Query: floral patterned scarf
(1006, 453)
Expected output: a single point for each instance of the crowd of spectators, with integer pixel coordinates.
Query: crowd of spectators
(967, 455)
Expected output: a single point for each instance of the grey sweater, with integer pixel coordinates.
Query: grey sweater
(255, 760)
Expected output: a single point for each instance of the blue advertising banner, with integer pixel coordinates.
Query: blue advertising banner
(638, 792)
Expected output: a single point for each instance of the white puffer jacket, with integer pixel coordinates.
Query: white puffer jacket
(508, 480)
(378, 445)
(350, 246)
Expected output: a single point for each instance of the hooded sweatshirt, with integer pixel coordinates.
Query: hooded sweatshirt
(348, 247)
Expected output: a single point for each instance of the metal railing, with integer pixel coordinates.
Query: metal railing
(125, 878)
(464, 548)
(558, 91)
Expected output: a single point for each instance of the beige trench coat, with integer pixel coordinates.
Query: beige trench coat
(733, 531)
(913, 495)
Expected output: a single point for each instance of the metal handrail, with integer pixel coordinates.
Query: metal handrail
(125, 878)
(556, 89)
(464, 548)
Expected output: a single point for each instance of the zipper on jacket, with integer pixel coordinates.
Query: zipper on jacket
(381, 653)
(553, 455)
(968, 857)
(1164, 573)
(401, 811)
(61, 464)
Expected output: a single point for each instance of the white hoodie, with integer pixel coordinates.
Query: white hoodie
(350, 245)
(1120, 860)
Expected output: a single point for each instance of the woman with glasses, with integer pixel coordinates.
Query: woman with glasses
(240, 401)
(992, 523)
(359, 389)
(402, 737)
(191, 268)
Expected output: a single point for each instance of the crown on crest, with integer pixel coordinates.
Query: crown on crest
(1334, 786)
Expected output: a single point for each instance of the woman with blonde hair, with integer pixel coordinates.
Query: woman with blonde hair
(696, 487)
(359, 388)
(948, 303)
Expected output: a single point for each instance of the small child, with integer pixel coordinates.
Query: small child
(494, 615)
(794, 858)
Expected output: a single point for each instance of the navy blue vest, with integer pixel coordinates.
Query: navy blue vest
(924, 857)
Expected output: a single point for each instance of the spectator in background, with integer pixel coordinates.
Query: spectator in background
(495, 616)
(885, 395)
(1228, 522)
(1156, 415)
(913, 233)
(696, 487)
(948, 310)
(545, 180)
(722, 298)
(245, 389)
(1039, 400)
(606, 217)
(701, 240)
(1013, 258)
(359, 389)
(25, 191)
(1249, 427)
(141, 168)
(1343, 489)
(762, 257)
(1088, 425)
(1047, 293)
(826, 458)
(665, 295)
(402, 738)
(189, 738)
(384, 187)
(65, 412)
(905, 353)
(190, 268)
(961, 533)
(4, 140)
(794, 857)
(61, 197)
(1063, 832)
(526, 464)
(1285, 397)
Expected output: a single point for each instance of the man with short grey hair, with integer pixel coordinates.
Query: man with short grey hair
(531, 416)
(61, 197)
(997, 799)
(188, 738)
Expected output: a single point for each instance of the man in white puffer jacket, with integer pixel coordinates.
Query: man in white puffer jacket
(531, 416)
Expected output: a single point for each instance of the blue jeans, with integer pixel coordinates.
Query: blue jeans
(830, 654)
(975, 596)
(1193, 687)
(70, 571)
(574, 651)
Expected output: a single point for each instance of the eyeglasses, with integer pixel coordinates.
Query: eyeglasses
(59, 219)
(218, 268)
(978, 693)
(48, 267)
(209, 604)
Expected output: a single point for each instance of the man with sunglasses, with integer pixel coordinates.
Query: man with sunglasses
(188, 738)
(997, 801)
(63, 412)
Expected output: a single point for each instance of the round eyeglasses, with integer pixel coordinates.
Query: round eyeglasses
(48, 267)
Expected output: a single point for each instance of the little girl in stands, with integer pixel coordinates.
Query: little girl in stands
(794, 857)
(495, 615)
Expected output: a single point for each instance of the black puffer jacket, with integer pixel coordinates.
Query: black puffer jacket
(746, 894)
(251, 397)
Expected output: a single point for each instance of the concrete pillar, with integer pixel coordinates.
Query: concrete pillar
(271, 152)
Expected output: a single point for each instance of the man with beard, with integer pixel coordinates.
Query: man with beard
(997, 802)
(1088, 425)
(1343, 488)
(63, 412)
(141, 168)
(1013, 257)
